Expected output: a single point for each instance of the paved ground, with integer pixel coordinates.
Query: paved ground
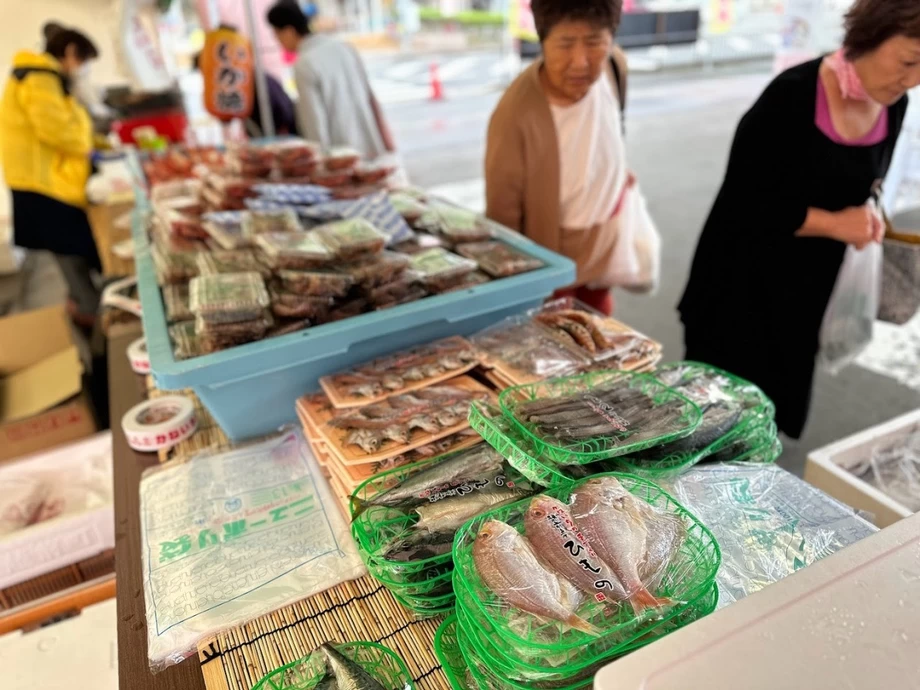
(679, 132)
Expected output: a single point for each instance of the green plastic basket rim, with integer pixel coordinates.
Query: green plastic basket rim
(518, 458)
(266, 682)
(393, 585)
(508, 400)
(632, 481)
(447, 627)
(424, 611)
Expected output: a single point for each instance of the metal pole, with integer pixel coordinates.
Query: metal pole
(265, 107)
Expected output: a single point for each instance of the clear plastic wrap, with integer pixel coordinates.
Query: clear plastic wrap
(769, 523)
(523, 352)
(351, 239)
(173, 267)
(248, 531)
(439, 269)
(894, 469)
(294, 250)
(602, 338)
(231, 261)
(410, 206)
(228, 297)
(256, 223)
(185, 340)
(288, 305)
(579, 573)
(394, 291)
(332, 179)
(176, 301)
(294, 194)
(498, 259)
(458, 225)
(318, 283)
(373, 173)
(342, 158)
(226, 229)
(474, 279)
(250, 160)
(376, 270)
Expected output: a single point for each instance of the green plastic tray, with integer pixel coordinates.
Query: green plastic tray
(756, 408)
(505, 437)
(427, 608)
(448, 653)
(682, 421)
(690, 573)
(557, 668)
(427, 587)
(381, 663)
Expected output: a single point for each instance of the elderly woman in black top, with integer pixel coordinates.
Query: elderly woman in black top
(806, 160)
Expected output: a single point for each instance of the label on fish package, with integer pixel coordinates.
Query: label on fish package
(578, 549)
(606, 411)
(463, 488)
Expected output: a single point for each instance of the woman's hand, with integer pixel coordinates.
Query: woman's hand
(857, 225)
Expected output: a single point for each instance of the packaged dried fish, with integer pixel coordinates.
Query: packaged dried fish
(351, 239)
(439, 269)
(456, 224)
(176, 302)
(174, 267)
(231, 187)
(342, 158)
(295, 150)
(410, 206)
(421, 242)
(326, 177)
(186, 344)
(347, 310)
(250, 160)
(287, 326)
(288, 305)
(372, 173)
(524, 352)
(226, 229)
(395, 290)
(474, 279)
(498, 259)
(229, 297)
(378, 269)
(231, 261)
(415, 293)
(221, 336)
(316, 283)
(298, 251)
(256, 223)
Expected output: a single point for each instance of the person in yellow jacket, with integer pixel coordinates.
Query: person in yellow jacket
(45, 144)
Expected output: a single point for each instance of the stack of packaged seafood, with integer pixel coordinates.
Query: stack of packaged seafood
(400, 409)
(551, 588)
(654, 425)
(562, 337)
(330, 272)
(405, 520)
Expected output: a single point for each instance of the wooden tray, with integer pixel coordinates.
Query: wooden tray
(340, 399)
(316, 415)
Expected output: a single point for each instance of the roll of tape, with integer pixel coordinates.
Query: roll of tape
(139, 357)
(158, 424)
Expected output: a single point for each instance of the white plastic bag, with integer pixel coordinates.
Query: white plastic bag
(636, 261)
(850, 317)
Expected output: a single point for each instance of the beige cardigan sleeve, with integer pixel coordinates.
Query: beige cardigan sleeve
(505, 171)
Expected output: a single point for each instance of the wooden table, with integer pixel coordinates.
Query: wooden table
(133, 670)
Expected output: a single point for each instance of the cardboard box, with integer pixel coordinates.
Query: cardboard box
(829, 468)
(41, 405)
(848, 621)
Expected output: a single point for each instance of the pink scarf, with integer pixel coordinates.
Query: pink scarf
(851, 85)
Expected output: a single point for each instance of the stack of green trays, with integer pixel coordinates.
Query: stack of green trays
(423, 586)
(505, 648)
(380, 663)
(705, 384)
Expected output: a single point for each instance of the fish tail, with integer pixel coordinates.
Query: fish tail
(581, 624)
(358, 506)
(643, 599)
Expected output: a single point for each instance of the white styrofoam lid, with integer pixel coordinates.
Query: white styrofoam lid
(849, 621)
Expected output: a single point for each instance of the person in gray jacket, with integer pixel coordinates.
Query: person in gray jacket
(335, 105)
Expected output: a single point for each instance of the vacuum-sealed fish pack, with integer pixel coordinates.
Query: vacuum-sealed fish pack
(297, 251)
(351, 239)
(229, 297)
(498, 259)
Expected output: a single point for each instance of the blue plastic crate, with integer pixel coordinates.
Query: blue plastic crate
(251, 389)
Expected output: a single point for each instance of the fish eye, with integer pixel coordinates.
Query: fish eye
(484, 535)
(538, 512)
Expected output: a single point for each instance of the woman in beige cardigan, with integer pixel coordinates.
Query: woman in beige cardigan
(555, 158)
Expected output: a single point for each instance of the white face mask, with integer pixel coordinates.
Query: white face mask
(83, 72)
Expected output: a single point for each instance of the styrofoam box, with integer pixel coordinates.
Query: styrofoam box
(829, 468)
(67, 539)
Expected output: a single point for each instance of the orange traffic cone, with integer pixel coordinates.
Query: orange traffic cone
(437, 88)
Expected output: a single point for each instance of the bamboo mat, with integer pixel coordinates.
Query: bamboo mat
(361, 610)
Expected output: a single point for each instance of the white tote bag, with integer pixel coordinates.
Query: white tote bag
(636, 261)
(850, 317)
